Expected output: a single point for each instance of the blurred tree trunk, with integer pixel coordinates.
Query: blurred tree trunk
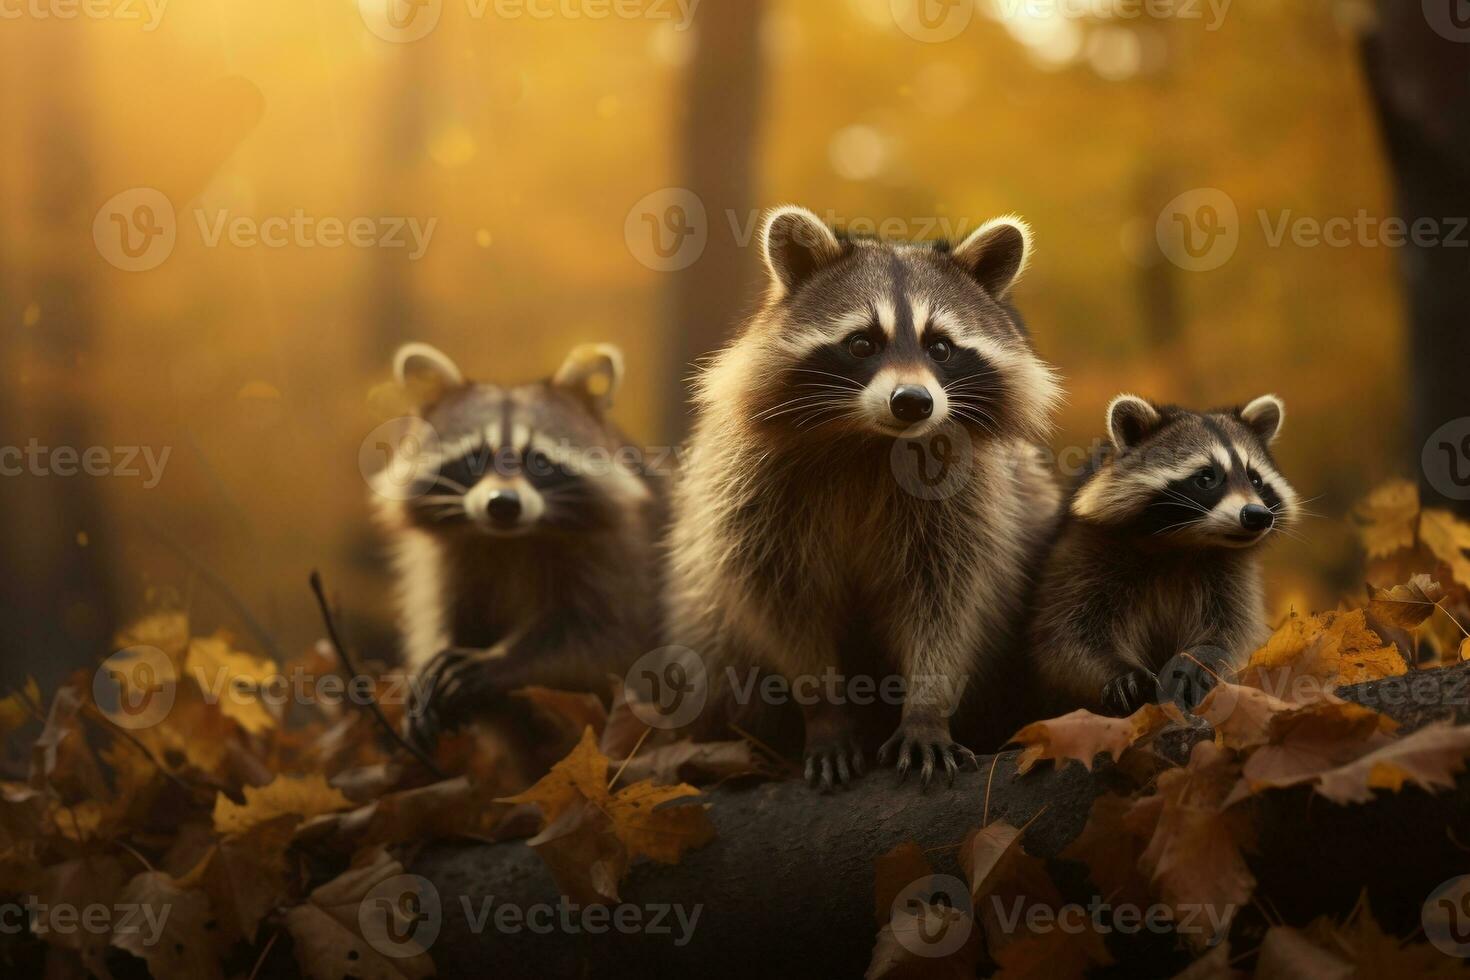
(719, 130)
(1420, 82)
(59, 606)
(399, 152)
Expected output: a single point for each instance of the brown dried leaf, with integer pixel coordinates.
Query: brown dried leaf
(1428, 758)
(1449, 538)
(172, 935)
(1306, 742)
(1405, 606)
(572, 710)
(299, 796)
(1082, 735)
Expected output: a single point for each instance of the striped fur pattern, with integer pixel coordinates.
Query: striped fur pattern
(795, 548)
(526, 553)
(1159, 552)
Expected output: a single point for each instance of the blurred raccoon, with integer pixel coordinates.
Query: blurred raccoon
(1159, 555)
(797, 548)
(524, 537)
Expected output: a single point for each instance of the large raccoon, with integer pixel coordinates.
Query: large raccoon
(525, 541)
(1159, 555)
(799, 544)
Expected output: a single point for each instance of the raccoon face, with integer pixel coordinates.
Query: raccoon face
(1191, 479)
(893, 339)
(520, 460)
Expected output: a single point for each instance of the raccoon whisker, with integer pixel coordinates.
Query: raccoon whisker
(960, 413)
(1171, 527)
(1177, 499)
(451, 484)
(804, 403)
(849, 382)
(438, 498)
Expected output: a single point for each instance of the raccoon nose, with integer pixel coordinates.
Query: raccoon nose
(1254, 517)
(504, 507)
(911, 403)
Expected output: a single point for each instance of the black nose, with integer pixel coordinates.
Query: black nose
(504, 507)
(1254, 517)
(911, 403)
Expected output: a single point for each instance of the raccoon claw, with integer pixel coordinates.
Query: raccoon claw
(1128, 692)
(933, 746)
(833, 765)
(1191, 675)
(451, 682)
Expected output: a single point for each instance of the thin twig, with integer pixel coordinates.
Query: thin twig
(636, 746)
(352, 671)
(985, 816)
(263, 954)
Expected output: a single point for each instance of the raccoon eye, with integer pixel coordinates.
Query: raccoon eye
(538, 463)
(861, 345)
(940, 351)
(1207, 478)
(1256, 480)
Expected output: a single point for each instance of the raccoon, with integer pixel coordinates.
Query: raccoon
(797, 545)
(525, 543)
(1158, 555)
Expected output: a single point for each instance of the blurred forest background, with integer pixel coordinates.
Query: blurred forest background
(534, 144)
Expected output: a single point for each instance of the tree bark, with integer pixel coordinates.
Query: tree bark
(718, 147)
(1420, 82)
(786, 887)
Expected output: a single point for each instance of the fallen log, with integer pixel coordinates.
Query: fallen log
(786, 887)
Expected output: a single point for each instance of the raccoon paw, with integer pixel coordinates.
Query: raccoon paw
(833, 763)
(930, 742)
(442, 697)
(1128, 692)
(1189, 676)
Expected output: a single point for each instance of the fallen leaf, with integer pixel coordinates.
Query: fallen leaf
(20, 707)
(689, 761)
(1310, 656)
(299, 796)
(1194, 855)
(1289, 954)
(166, 630)
(1303, 743)
(1449, 538)
(1110, 851)
(244, 876)
(1428, 758)
(1405, 606)
(1386, 519)
(1082, 735)
(170, 930)
(67, 888)
(1240, 715)
(572, 710)
(895, 871)
(636, 816)
(372, 922)
(909, 946)
(232, 680)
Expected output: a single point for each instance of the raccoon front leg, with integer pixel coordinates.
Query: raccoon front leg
(934, 665)
(459, 685)
(834, 757)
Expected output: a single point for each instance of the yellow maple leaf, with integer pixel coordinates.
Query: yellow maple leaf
(1449, 538)
(233, 680)
(1082, 735)
(1309, 656)
(1405, 606)
(167, 630)
(1387, 518)
(301, 796)
(591, 834)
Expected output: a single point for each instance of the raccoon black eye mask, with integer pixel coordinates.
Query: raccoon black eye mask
(1157, 558)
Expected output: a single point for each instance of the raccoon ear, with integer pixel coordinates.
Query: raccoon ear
(1264, 416)
(592, 372)
(796, 243)
(996, 253)
(1131, 420)
(425, 368)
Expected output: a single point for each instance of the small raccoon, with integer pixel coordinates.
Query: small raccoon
(1158, 555)
(796, 548)
(525, 547)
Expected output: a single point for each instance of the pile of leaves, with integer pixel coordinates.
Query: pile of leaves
(264, 822)
(1176, 834)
